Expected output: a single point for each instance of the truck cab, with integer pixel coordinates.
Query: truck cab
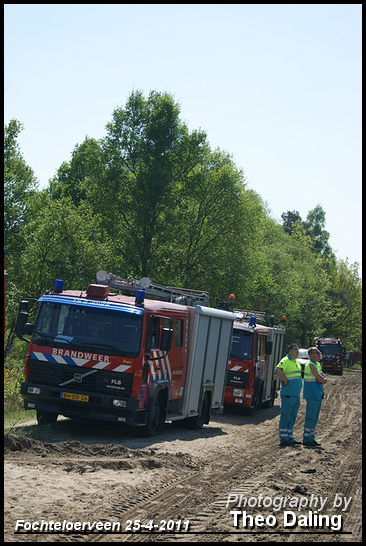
(125, 358)
(255, 351)
(333, 354)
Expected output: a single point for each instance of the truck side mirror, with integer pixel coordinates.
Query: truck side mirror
(23, 327)
(28, 329)
(21, 321)
(166, 340)
(23, 306)
(268, 348)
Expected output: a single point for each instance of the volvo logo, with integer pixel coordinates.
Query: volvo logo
(78, 377)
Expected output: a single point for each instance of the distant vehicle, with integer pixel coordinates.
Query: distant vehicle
(333, 354)
(303, 359)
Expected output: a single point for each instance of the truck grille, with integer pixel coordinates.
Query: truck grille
(237, 379)
(54, 374)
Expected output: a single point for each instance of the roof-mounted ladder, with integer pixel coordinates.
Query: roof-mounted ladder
(243, 315)
(130, 286)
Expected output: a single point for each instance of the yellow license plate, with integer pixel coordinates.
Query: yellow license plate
(73, 396)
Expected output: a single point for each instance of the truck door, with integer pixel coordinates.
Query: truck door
(178, 362)
(260, 355)
(173, 365)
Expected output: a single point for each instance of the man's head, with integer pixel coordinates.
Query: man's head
(314, 354)
(293, 351)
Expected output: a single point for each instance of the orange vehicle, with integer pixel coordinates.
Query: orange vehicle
(142, 357)
(255, 352)
(333, 354)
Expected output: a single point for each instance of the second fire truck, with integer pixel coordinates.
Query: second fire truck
(256, 350)
(332, 354)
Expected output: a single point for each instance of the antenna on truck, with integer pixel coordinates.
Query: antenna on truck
(130, 286)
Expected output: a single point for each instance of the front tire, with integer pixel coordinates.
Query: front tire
(156, 418)
(152, 422)
(46, 417)
(270, 402)
(257, 403)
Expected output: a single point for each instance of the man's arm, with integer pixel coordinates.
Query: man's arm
(282, 376)
(320, 377)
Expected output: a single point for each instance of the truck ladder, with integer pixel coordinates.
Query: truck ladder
(130, 286)
(244, 315)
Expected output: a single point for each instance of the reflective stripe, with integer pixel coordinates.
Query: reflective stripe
(309, 377)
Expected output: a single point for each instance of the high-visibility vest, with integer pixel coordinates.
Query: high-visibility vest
(308, 376)
(291, 368)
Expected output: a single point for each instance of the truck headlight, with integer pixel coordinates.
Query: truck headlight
(238, 400)
(120, 403)
(238, 392)
(33, 390)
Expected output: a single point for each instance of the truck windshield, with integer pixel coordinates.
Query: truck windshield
(330, 349)
(242, 345)
(104, 330)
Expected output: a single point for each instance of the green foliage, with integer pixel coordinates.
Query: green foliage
(345, 297)
(19, 184)
(152, 199)
(150, 154)
(289, 219)
(295, 282)
(210, 201)
(61, 241)
(315, 227)
(13, 377)
(75, 180)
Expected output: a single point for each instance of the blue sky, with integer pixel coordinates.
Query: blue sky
(276, 86)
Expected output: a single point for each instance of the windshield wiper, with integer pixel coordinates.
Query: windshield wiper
(106, 346)
(59, 338)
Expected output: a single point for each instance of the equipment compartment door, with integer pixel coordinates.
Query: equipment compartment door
(178, 360)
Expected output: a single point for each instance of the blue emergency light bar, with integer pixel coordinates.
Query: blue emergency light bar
(59, 286)
(253, 321)
(140, 296)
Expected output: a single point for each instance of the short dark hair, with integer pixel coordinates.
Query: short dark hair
(291, 347)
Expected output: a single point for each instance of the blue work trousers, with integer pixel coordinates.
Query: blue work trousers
(311, 418)
(289, 408)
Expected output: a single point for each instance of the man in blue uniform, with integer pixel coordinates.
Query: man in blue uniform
(289, 371)
(314, 379)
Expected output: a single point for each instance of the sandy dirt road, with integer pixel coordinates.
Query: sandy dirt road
(93, 472)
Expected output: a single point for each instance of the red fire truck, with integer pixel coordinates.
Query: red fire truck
(147, 355)
(256, 350)
(333, 354)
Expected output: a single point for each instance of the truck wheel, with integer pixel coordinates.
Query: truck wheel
(196, 423)
(155, 419)
(257, 402)
(46, 417)
(270, 402)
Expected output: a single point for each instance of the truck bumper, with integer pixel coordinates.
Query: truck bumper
(333, 368)
(98, 406)
(244, 400)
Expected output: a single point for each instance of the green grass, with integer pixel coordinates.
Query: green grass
(353, 368)
(13, 402)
